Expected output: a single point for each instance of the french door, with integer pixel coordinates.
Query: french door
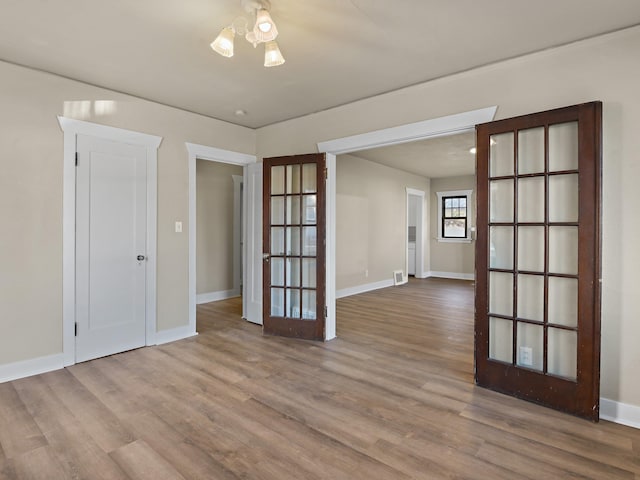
(294, 246)
(538, 258)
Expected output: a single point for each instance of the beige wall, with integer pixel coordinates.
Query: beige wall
(214, 225)
(371, 220)
(451, 257)
(604, 68)
(31, 198)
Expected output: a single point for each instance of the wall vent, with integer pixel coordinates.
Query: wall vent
(398, 278)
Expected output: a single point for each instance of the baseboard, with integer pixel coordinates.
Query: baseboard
(174, 334)
(347, 292)
(216, 296)
(27, 368)
(618, 412)
(451, 275)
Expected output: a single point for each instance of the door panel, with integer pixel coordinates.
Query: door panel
(252, 284)
(538, 258)
(110, 234)
(294, 246)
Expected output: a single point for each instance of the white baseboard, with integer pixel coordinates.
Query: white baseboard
(27, 368)
(216, 296)
(618, 412)
(451, 275)
(347, 292)
(174, 334)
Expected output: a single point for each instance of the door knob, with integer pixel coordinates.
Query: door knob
(265, 257)
(140, 258)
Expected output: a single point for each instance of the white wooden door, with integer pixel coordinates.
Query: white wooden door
(252, 284)
(110, 247)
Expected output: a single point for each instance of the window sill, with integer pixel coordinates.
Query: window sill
(454, 240)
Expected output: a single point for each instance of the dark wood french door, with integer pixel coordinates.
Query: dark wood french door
(537, 325)
(294, 246)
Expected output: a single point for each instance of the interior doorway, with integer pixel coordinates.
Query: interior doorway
(204, 152)
(218, 230)
(415, 233)
(389, 215)
(438, 127)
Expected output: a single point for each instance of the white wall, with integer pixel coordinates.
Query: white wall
(371, 233)
(214, 226)
(604, 68)
(451, 258)
(31, 145)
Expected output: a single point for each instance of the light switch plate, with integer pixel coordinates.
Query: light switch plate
(178, 227)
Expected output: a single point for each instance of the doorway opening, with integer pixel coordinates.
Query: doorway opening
(388, 215)
(415, 233)
(439, 127)
(211, 154)
(218, 231)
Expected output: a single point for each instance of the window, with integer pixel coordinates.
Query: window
(454, 217)
(454, 210)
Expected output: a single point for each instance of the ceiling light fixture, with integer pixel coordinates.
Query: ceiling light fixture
(263, 31)
(473, 150)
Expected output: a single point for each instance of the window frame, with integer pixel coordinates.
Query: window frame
(454, 193)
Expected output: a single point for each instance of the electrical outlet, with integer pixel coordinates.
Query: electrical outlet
(366, 273)
(526, 356)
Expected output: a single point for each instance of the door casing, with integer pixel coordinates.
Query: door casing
(71, 129)
(204, 152)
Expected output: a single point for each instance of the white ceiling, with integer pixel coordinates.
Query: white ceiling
(337, 51)
(434, 158)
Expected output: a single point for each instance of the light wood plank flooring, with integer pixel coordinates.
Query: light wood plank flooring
(391, 398)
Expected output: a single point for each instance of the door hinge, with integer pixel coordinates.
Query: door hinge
(326, 173)
(76, 159)
(326, 311)
(75, 329)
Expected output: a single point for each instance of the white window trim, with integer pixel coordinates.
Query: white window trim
(454, 193)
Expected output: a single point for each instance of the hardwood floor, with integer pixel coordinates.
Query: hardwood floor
(391, 398)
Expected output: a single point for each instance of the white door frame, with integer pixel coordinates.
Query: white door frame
(72, 128)
(420, 236)
(212, 154)
(436, 127)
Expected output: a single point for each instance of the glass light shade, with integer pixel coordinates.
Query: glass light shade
(251, 38)
(223, 44)
(272, 55)
(264, 30)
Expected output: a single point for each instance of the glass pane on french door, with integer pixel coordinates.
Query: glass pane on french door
(533, 232)
(293, 259)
